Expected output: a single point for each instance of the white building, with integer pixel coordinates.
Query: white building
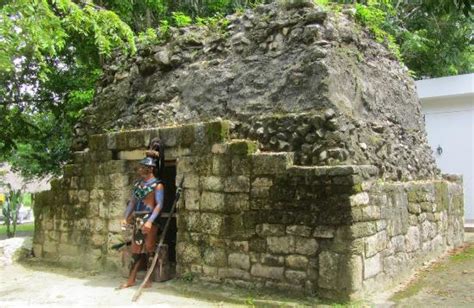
(448, 106)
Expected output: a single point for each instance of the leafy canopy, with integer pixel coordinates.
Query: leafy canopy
(51, 53)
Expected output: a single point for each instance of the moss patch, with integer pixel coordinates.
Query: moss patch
(218, 132)
(242, 147)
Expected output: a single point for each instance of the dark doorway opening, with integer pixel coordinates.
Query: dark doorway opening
(169, 179)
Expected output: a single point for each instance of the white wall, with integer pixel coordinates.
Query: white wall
(448, 106)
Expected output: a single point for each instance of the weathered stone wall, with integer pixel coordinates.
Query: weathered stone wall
(330, 138)
(79, 219)
(275, 61)
(401, 225)
(254, 218)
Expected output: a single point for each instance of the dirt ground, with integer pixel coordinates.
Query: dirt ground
(35, 284)
(447, 283)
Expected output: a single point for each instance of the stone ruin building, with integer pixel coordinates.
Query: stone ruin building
(303, 151)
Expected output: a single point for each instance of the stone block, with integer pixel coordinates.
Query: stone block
(296, 262)
(375, 243)
(271, 260)
(257, 245)
(239, 260)
(170, 136)
(212, 202)
(196, 268)
(397, 244)
(428, 231)
(215, 257)
(221, 165)
(114, 166)
(241, 165)
(260, 187)
(118, 181)
(50, 248)
(192, 199)
(237, 203)
(414, 208)
(297, 277)
(239, 183)
(303, 231)
(72, 170)
(271, 163)
(372, 266)
(398, 223)
(392, 265)
(282, 244)
(212, 183)
(270, 272)
(329, 263)
(97, 142)
(353, 273)
(242, 147)
(370, 213)
(192, 220)
(74, 183)
(359, 199)
(363, 229)
(96, 195)
(219, 148)
(98, 240)
(185, 165)
(324, 231)
(234, 273)
(100, 156)
(115, 209)
(101, 182)
(38, 250)
(212, 223)
(428, 207)
(99, 225)
(131, 155)
(381, 225)
(305, 246)
(262, 182)
(264, 230)
(187, 253)
(191, 181)
(217, 132)
(260, 193)
(210, 270)
(241, 246)
(73, 197)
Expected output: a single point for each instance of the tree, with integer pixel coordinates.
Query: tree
(434, 38)
(51, 53)
(10, 209)
(50, 58)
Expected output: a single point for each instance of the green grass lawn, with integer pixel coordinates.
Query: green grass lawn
(29, 227)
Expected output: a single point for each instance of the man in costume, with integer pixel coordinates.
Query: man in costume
(143, 209)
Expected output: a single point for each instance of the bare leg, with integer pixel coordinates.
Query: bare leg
(134, 267)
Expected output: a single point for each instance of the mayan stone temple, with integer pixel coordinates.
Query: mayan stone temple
(303, 152)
